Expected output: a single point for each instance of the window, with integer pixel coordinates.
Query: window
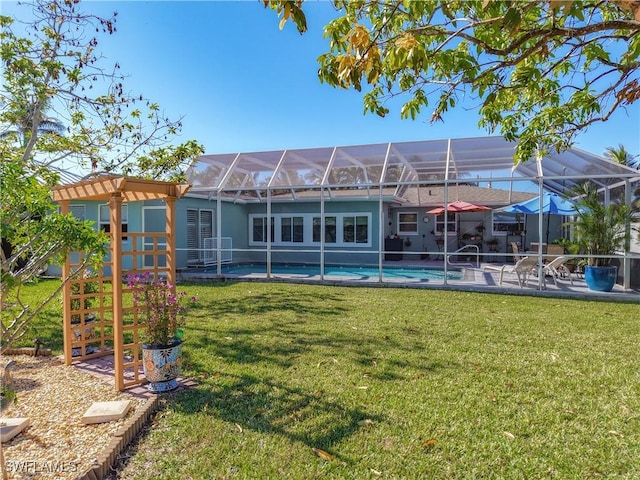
(407, 223)
(355, 229)
(317, 229)
(292, 229)
(78, 211)
(105, 224)
(451, 223)
(308, 229)
(330, 229)
(199, 228)
(506, 223)
(259, 229)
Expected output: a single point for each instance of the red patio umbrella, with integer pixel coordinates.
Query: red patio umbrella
(459, 206)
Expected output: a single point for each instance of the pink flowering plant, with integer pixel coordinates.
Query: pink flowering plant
(164, 310)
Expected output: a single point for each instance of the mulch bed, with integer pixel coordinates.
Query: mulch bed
(57, 445)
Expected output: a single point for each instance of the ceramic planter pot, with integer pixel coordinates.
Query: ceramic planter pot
(89, 333)
(600, 279)
(161, 366)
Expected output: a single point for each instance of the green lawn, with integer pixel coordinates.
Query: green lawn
(304, 382)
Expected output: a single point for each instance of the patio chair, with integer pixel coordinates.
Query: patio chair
(557, 269)
(516, 252)
(554, 252)
(522, 269)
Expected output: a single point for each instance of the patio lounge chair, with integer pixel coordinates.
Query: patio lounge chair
(553, 252)
(523, 268)
(557, 269)
(516, 252)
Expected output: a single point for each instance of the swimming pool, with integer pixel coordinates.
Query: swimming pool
(364, 273)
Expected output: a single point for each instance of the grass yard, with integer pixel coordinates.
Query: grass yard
(303, 382)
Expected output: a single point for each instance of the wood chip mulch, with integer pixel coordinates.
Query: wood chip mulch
(57, 445)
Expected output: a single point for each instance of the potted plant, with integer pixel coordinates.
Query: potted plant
(572, 249)
(163, 312)
(601, 230)
(492, 243)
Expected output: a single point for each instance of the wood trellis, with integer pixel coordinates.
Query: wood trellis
(98, 317)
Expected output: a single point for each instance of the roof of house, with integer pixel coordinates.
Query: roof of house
(431, 196)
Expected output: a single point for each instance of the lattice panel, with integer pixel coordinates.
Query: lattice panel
(89, 313)
(91, 305)
(147, 255)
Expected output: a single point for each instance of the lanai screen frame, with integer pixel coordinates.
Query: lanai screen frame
(386, 170)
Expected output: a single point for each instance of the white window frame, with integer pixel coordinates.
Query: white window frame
(407, 223)
(452, 223)
(308, 225)
(292, 228)
(316, 219)
(355, 218)
(265, 233)
(124, 222)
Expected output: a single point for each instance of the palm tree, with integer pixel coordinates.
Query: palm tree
(24, 126)
(622, 156)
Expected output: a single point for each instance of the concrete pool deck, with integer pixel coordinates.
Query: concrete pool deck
(474, 279)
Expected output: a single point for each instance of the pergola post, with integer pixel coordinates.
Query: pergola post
(115, 221)
(170, 203)
(66, 305)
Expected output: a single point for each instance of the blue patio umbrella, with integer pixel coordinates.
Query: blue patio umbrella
(552, 203)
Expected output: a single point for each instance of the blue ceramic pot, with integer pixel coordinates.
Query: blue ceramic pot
(161, 365)
(600, 279)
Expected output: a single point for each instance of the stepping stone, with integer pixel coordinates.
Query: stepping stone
(10, 427)
(101, 412)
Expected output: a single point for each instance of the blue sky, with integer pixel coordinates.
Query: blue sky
(242, 84)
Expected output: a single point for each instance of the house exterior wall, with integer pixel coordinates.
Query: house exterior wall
(425, 239)
(235, 221)
(308, 252)
(236, 224)
(134, 224)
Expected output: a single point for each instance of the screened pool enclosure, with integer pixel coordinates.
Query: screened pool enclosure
(367, 204)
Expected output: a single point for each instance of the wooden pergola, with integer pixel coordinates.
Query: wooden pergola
(96, 321)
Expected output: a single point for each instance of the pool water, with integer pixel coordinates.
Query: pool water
(362, 273)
